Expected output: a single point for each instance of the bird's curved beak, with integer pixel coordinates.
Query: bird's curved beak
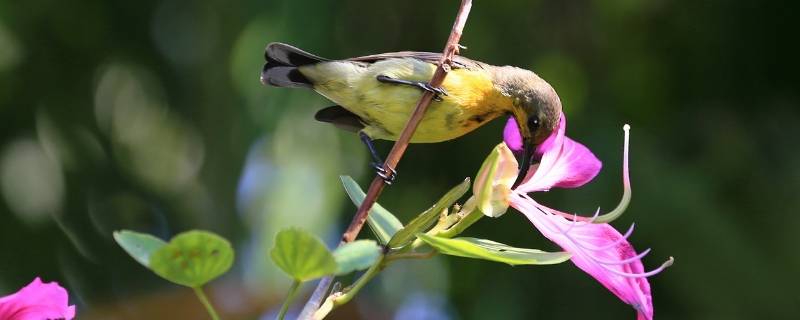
(528, 146)
(527, 153)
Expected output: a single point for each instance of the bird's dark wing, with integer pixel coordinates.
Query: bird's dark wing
(341, 118)
(432, 57)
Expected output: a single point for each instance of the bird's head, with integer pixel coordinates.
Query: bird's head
(535, 107)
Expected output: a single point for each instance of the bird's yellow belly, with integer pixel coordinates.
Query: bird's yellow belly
(385, 107)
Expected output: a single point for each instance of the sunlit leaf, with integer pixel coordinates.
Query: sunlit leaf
(357, 255)
(382, 222)
(193, 258)
(302, 255)
(493, 251)
(139, 245)
(427, 218)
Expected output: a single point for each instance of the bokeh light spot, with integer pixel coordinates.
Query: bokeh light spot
(32, 183)
(153, 145)
(10, 49)
(247, 59)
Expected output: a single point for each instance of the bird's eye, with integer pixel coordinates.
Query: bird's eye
(533, 123)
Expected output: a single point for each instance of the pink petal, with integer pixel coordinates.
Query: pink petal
(597, 249)
(564, 163)
(554, 139)
(513, 138)
(37, 301)
(511, 135)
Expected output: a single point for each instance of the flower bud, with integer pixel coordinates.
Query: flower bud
(493, 182)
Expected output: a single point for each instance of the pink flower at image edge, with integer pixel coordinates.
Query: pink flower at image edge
(37, 301)
(597, 248)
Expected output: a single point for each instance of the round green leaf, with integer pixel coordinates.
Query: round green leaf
(492, 251)
(356, 255)
(139, 245)
(193, 258)
(302, 255)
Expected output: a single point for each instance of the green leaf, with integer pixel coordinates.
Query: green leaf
(193, 258)
(139, 245)
(356, 255)
(493, 251)
(302, 255)
(382, 222)
(427, 218)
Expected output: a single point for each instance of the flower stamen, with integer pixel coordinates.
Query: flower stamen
(626, 183)
(575, 221)
(628, 260)
(626, 191)
(604, 263)
(653, 272)
(622, 239)
(596, 247)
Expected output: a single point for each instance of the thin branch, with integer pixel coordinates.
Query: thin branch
(376, 187)
(450, 50)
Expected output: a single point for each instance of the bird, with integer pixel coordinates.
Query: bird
(376, 94)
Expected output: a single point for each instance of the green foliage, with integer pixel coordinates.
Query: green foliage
(302, 255)
(382, 222)
(139, 245)
(709, 84)
(357, 255)
(193, 258)
(493, 251)
(190, 259)
(426, 219)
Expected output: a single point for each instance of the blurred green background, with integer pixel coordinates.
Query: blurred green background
(148, 115)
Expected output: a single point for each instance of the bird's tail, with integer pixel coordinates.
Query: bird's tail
(281, 67)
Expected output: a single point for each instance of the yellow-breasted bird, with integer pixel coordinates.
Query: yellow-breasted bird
(377, 93)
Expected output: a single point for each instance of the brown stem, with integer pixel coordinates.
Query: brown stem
(375, 188)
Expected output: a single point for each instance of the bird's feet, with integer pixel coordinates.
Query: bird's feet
(437, 92)
(388, 176)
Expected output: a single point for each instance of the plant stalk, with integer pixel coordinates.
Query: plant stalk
(377, 185)
(338, 299)
(204, 300)
(289, 298)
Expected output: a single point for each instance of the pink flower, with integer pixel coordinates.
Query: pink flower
(563, 162)
(37, 301)
(596, 248)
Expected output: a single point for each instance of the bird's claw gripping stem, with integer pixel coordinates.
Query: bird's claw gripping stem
(388, 176)
(437, 92)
